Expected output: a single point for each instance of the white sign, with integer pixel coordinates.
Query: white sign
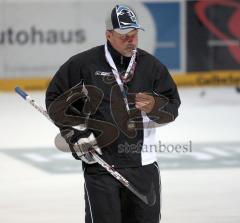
(37, 37)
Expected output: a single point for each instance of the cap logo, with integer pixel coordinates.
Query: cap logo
(126, 18)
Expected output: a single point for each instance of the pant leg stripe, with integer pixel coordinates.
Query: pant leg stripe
(160, 189)
(89, 202)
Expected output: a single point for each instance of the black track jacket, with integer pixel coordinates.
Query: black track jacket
(136, 147)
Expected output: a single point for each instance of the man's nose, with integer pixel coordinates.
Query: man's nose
(130, 39)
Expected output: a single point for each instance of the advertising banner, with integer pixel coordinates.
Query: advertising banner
(167, 22)
(189, 37)
(213, 37)
(37, 37)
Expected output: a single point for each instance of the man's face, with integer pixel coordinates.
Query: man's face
(124, 44)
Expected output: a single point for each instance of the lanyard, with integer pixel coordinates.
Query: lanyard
(129, 71)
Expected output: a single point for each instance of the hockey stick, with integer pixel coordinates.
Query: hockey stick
(148, 199)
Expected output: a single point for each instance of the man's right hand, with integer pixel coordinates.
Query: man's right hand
(81, 143)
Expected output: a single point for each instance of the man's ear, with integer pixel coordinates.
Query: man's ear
(108, 34)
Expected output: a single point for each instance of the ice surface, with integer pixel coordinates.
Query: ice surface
(38, 183)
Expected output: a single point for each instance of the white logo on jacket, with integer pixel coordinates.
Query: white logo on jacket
(102, 73)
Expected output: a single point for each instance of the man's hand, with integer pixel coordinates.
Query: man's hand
(81, 143)
(144, 102)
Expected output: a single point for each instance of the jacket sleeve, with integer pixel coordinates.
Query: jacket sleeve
(66, 86)
(61, 81)
(167, 100)
(65, 78)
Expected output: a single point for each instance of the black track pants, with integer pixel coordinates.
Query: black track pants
(107, 201)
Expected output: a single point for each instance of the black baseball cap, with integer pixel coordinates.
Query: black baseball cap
(122, 19)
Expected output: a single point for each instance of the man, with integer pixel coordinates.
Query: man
(124, 90)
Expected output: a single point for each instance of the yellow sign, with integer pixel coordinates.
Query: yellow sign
(24, 83)
(213, 78)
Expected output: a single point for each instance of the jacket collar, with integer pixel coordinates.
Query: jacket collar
(119, 60)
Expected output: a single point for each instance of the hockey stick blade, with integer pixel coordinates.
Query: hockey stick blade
(148, 199)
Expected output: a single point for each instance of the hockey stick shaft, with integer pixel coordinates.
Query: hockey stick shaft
(99, 160)
(124, 181)
(32, 102)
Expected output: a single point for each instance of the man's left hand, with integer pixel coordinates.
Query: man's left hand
(144, 102)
